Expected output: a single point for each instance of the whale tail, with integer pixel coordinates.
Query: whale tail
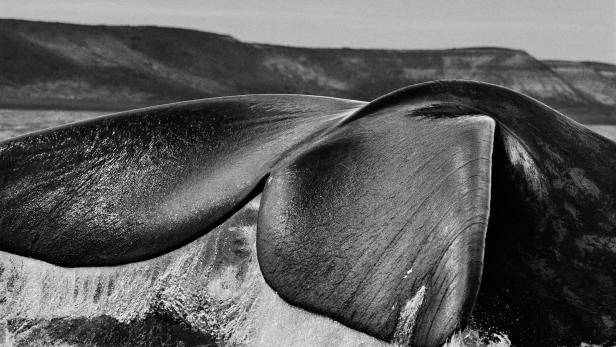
(382, 225)
(133, 185)
(378, 215)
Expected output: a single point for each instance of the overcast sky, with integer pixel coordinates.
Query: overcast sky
(548, 29)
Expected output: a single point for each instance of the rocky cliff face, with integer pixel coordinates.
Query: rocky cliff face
(595, 81)
(66, 65)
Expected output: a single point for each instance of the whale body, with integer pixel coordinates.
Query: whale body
(400, 218)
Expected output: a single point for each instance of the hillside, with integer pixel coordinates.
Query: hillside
(117, 67)
(595, 81)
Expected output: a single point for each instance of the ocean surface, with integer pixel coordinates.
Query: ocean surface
(209, 292)
(17, 122)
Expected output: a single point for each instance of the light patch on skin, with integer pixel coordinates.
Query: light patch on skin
(608, 321)
(255, 203)
(586, 344)
(583, 183)
(572, 210)
(561, 231)
(589, 243)
(577, 184)
(471, 338)
(408, 315)
(519, 156)
(553, 154)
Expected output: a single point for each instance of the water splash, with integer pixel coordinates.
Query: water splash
(209, 290)
(408, 314)
(474, 338)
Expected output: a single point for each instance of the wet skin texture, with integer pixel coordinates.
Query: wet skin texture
(378, 215)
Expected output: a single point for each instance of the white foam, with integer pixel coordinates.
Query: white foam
(408, 315)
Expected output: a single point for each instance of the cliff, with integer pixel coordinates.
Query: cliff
(55, 65)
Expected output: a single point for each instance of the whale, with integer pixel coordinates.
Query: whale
(405, 218)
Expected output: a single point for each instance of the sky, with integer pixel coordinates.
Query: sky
(547, 29)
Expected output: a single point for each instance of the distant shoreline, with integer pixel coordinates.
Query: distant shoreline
(66, 107)
(112, 68)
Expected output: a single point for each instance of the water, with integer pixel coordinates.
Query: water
(210, 291)
(17, 122)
